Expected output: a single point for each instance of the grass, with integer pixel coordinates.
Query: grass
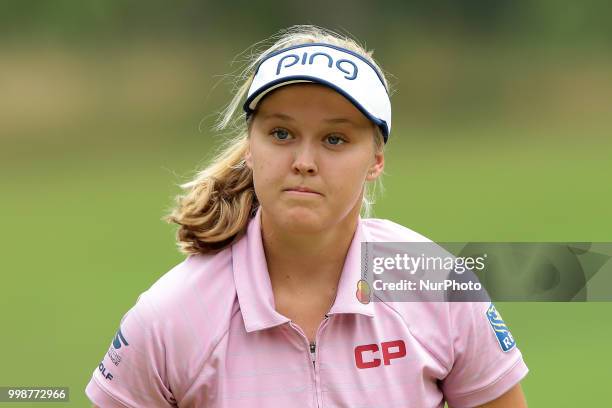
(85, 186)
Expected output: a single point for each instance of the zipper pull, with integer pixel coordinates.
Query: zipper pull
(313, 347)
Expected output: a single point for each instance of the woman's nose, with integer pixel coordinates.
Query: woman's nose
(304, 160)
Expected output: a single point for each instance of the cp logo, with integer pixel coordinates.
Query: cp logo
(399, 351)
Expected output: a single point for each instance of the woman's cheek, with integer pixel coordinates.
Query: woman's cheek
(265, 183)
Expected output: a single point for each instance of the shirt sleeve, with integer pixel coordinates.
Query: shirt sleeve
(132, 371)
(487, 362)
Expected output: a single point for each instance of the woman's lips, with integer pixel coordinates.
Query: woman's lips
(302, 191)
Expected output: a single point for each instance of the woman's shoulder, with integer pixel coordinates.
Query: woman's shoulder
(383, 230)
(198, 276)
(196, 296)
(166, 336)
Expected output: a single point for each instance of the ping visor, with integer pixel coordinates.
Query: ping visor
(343, 70)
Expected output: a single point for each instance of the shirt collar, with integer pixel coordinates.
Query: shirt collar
(254, 288)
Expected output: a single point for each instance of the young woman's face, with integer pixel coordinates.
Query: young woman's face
(311, 151)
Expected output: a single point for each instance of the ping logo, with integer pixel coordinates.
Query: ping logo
(365, 356)
(119, 339)
(504, 337)
(345, 66)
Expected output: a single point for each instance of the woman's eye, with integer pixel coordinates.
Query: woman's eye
(335, 140)
(280, 134)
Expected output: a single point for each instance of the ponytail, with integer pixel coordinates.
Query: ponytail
(219, 203)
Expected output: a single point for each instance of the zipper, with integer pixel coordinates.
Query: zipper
(313, 351)
(313, 348)
(313, 345)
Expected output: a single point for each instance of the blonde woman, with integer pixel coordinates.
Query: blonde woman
(263, 311)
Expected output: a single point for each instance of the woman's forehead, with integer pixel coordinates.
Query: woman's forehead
(294, 101)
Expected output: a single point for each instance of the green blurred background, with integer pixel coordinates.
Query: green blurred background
(501, 132)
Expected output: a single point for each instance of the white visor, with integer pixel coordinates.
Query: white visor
(343, 70)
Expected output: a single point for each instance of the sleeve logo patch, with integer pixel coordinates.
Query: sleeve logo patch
(119, 340)
(505, 339)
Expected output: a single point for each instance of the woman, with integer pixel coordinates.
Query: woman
(263, 312)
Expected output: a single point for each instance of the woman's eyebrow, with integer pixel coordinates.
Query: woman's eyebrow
(278, 116)
(291, 119)
(340, 120)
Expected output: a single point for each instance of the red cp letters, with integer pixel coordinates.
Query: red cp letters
(366, 355)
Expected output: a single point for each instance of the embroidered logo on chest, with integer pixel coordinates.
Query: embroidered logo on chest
(368, 355)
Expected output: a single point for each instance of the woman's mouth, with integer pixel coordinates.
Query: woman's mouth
(301, 190)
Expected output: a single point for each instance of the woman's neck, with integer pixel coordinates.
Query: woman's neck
(307, 262)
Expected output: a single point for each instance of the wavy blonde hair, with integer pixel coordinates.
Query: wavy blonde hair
(218, 203)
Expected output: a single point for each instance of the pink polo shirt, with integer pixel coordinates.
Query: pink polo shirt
(207, 334)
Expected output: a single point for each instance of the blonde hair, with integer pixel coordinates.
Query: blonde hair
(220, 200)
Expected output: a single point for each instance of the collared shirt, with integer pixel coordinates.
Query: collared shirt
(207, 334)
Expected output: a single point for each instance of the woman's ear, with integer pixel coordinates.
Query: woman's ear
(248, 159)
(377, 167)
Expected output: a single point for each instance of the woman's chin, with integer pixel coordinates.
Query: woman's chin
(301, 219)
